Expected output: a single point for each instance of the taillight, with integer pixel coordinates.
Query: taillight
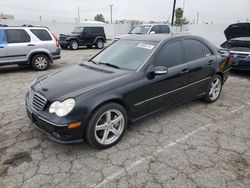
(56, 39)
(230, 60)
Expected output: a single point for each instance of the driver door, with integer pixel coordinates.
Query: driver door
(3, 44)
(169, 89)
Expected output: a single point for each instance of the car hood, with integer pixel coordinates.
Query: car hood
(76, 80)
(121, 36)
(237, 30)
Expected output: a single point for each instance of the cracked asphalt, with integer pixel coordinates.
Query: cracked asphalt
(191, 145)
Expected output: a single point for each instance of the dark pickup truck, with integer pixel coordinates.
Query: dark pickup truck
(238, 43)
(83, 36)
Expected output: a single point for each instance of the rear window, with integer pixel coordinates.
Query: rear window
(17, 36)
(165, 29)
(42, 34)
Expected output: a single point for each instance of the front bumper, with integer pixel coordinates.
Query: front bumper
(56, 131)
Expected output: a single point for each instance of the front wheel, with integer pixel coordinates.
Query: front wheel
(74, 45)
(107, 126)
(214, 89)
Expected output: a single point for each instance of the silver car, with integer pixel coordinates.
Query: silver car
(34, 46)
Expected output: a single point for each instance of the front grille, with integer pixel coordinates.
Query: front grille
(38, 101)
(240, 56)
(244, 63)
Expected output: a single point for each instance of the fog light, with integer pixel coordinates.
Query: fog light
(57, 135)
(74, 125)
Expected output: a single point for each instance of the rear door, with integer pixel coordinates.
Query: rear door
(19, 45)
(200, 61)
(3, 45)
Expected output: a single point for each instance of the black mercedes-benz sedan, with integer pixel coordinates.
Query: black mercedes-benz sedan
(131, 79)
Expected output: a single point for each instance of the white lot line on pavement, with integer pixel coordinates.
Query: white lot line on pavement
(149, 158)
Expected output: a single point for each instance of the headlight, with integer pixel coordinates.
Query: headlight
(62, 108)
(34, 81)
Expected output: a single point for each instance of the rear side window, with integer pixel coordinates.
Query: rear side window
(207, 51)
(98, 30)
(164, 29)
(194, 50)
(17, 36)
(171, 55)
(42, 34)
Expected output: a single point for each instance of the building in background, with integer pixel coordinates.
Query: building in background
(6, 16)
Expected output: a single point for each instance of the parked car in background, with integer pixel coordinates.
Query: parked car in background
(34, 46)
(146, 29)
(238, 43)
(131, 79)
(83, 36)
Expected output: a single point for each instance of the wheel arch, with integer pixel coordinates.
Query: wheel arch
(114, 100)
(40, 52)
(221, 75)
(98, 38)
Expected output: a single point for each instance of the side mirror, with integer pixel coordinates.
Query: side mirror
(157, 71)
(152, 32)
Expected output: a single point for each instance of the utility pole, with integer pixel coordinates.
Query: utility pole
(111, 13)
(198, 17)
(172, 22)
(183, 7)
(78, 12)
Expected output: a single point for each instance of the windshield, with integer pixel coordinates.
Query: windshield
(125, 54)
(143, 29)
(77, 30)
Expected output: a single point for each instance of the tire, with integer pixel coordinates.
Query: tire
(74, 45)
(214, 89)
(111, 121)
(40, 62)
(99, 44)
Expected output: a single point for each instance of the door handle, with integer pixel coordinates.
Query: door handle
(185, 71)
(31, 45)
(211, 62)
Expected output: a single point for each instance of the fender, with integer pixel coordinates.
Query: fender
(39, 51)
(99, 38)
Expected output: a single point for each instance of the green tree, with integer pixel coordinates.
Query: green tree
(100, 18)
(178, 16)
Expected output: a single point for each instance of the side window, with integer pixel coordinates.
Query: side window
(156, 29)
(17, 36)
(193, 50)
(88, 30)
(42, 34)
(2, 36)
(170, 55)
(207, 51)
(164, 29)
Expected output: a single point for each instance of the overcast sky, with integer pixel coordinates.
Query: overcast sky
(217, 11)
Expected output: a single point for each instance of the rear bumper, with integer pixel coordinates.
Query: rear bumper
(241, 65)
(56, 54)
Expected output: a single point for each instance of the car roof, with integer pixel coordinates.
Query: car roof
(157, 37)
(24, 27)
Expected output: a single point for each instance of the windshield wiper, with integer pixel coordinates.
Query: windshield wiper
(92, 61)
(110, 65)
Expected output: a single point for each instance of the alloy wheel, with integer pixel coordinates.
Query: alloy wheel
(109, 127)
(215, 89)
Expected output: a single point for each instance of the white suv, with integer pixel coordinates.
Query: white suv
(35, 46)
(146, 29)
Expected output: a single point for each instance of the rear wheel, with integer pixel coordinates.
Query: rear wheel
(99, 44)
(74, 45)
(107, 126)
(40, 62)
(214, 89)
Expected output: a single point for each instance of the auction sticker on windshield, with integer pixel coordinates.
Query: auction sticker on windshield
(145, 46)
